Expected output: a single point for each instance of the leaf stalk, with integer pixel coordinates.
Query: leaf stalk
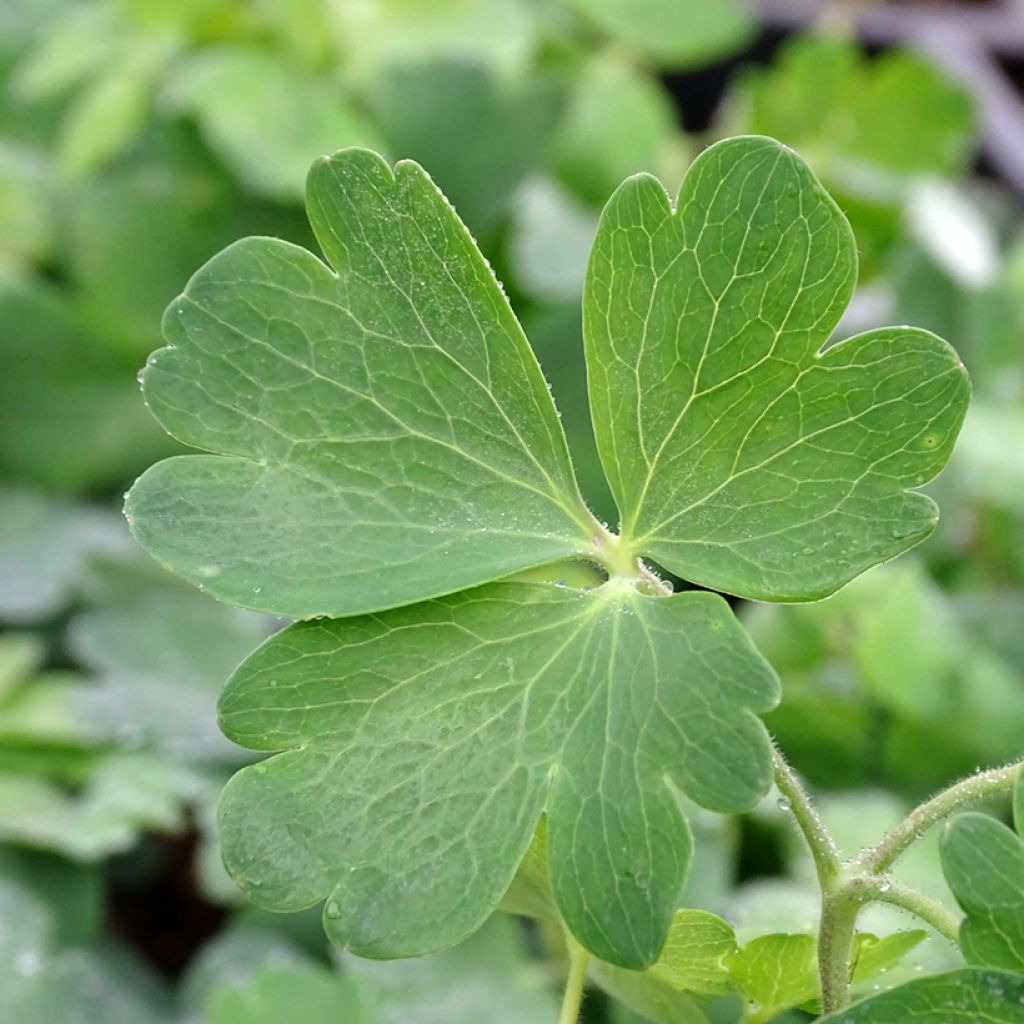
(572, 999)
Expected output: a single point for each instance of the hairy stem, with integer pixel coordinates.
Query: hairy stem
(906, 897)
(827, 860)
(573, 997)
(885, 852)
(838, 907)
(847, 886)
(835, 943)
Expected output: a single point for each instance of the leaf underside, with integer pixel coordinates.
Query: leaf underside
(741, 457)
(381, 438)
(384, 433)
(409, 794)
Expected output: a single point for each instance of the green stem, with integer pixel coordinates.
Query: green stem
(906, 897)
(827, 859)
(573, 998)
(838, 908)
(835, 943)
(888, 849)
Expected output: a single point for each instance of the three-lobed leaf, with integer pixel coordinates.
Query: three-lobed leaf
(384, 432)
(380, 435)
(410, 794)
(741, 456)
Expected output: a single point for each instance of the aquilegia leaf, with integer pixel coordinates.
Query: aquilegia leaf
(425, 743)
(385, 433)
(740, 456)
(382, 437)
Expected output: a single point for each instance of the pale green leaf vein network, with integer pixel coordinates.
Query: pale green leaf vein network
(382, 431)
(744, 454)
(423, 744)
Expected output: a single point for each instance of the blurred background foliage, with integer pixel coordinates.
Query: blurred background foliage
(138, 137)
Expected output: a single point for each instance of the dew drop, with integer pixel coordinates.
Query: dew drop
(333, 910)
(256, 590)
(884, 885)
(784, 803)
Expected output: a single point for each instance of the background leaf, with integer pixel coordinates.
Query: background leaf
(966, 996)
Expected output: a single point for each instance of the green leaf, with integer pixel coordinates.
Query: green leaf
(960, 997)
(848, 114)
(231, 958)
(88, 988)
(676, 33)
(395, 404)
(696, 953)
(823, 94)
(694, 961)
(1018, 804)
(893, 675)
(619, 121)
(393, 33)
(304, 992)
(874, 955)
(79, 42)
(126, 794)
(27, 206)
(152, 687)
(478, 134)
(70, 416)
(104, 120)
(776, 972)
(779, 971)
(648, 1001)
(174, 191)
(73, 893)
(487, 978)
(45, 550)
(984, 864)
(20, 655)
(41, 982)
(742, 457)
(42, 713)
(408, 798)
(265, 117)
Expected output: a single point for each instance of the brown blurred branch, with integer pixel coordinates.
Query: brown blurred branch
(998, 27)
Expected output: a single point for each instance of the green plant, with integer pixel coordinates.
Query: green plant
(453, 727)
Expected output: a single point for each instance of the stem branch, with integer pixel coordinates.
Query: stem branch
(827, 860)
(906, 897)
(573, 998)
(885, 852)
